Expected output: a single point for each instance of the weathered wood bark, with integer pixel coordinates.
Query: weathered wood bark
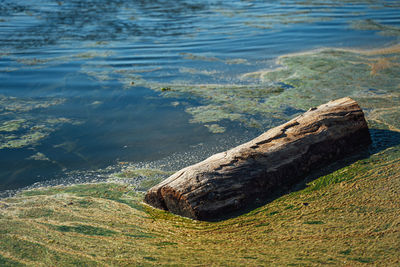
(280, 157)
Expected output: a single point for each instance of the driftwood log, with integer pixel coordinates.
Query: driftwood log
(280, 157)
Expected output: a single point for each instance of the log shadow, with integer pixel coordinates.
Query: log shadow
(381, 140)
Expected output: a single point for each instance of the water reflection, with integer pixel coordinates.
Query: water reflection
(48, 22)
(86, 84)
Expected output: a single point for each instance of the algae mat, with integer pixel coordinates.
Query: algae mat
(266, 98)
(348, 217)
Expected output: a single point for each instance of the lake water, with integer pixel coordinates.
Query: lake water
(89, 87)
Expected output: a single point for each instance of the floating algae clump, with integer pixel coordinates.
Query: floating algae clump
(39, 156)
(12, 125)
(372, 25)
(210, 113)
(30, 138)
(268, 97)
(215, 128)
(18, 128)
(370, 77)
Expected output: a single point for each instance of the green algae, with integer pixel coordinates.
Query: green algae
(372, 25)
(148, 183)
(211, 113)
(215, 128)
(132, 172)
(202, 72)
(85, 230)
(276, 20)
(20, 129)
(199, 57)
(15, 104)
(24, 140)
(52, 61)
(8, 262)
(305, 12)
(351, 216)
(299, 81)
(144, 178)
(39, 156)
(12, 125)
(330, 74)
(314, 222)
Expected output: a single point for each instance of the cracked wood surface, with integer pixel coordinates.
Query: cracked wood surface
(278, 158)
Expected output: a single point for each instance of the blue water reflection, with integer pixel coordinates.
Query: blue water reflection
(78, 77)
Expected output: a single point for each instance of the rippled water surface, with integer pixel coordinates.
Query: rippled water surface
(86, 85)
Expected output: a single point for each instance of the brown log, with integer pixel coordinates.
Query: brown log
(280, 157)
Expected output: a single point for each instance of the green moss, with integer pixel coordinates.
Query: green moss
(9, 263)
(149, 258)
(107, 191)
(314, 222)
(262, 224)
(345, 252)
(38, 192)
(85, 230)
(141, 235)
(148, 183)
(36, 213)
(166, 243)
(362, 259)
(24, 250)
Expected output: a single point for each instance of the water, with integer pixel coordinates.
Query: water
(86, 85)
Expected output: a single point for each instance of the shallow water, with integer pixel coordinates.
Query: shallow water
(87, 85)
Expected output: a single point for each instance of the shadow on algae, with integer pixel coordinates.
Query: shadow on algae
(381, 140)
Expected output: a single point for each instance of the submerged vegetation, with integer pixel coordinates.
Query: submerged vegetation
(272, 96)
(19, 128)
